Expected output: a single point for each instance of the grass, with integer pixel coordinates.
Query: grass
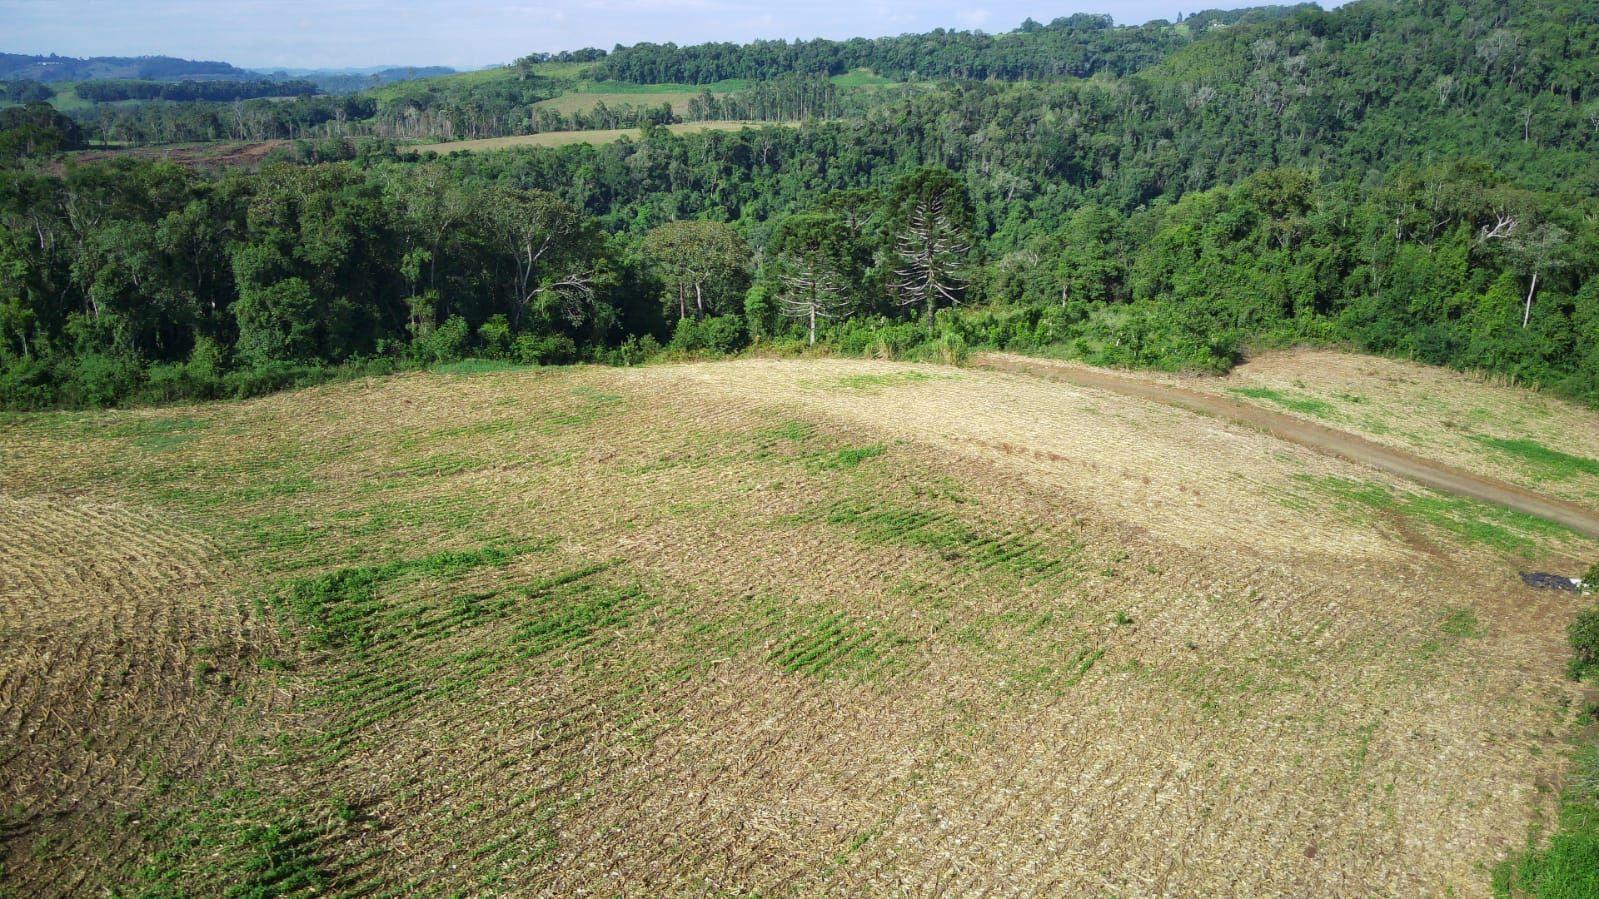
(862, 78)
(831, 644)
(1303, 405)
(1545, 463)
(568, 138)
(1475, 522)
(556, 630)
(875, 382)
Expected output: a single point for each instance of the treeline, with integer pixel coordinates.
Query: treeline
(36, 130)
(25, 92)
(1073, 46)
(790, 98)
(525, 66)
(191, 91)
(245, 120)
(145, 281)
(433, 110)
(603, 115)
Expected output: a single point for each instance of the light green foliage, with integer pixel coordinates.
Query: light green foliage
(1543, 461)
(1304, 405)
(1472, 521)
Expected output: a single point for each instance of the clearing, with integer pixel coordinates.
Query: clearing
(779, 626)
(566, 138)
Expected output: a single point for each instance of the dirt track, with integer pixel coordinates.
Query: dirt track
(1313, 436)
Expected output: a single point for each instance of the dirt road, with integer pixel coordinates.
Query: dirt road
(1309, 434)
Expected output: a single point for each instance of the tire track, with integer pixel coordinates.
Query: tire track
(1320, 438)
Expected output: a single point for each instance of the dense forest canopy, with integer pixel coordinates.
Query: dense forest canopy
(188, 91)
(1417, 178)
(1076, 46)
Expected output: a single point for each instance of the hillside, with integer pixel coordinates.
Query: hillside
(53, 68)
(776, 626)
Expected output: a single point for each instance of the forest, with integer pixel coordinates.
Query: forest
(1416, 179)
(188, 91)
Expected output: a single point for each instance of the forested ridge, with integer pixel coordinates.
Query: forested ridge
(1416, 178)
(1078, 46)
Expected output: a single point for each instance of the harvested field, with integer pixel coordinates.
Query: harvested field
(216, 154)
(786, 627)
(1531, 439)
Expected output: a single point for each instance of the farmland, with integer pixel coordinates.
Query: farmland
(786, 626)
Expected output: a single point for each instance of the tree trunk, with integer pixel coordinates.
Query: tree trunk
(699, 301)
(813, 324)
(1526, 314)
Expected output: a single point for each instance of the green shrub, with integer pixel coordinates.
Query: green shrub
(713, 334)
(495, 336)
(633, 351)
(28, 384)
(268, 377)
(446, 343)
(1584, 636)
(99, 380)
(545, 349)
(878, 337)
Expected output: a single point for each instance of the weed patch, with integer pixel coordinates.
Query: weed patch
(967, 547)
(1303, 405)
(831, 644)
(849, 457)
(1475, 522)
(1547, 464)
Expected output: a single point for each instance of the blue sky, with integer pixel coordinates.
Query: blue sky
(471, 33)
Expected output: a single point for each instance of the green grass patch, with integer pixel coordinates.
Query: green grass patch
(1473, 521)
(468, 367)
(862, 78)
(341, 608)
(236, 843)
(832, 644)
(1461, 623)
(967, 547)
(1303, 405)
(1567, 866)
(1546, 463)
(848, 457)
(157, 435)
(878, 382)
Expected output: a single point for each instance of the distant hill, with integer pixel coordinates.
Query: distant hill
(351, 80)
(23, 67)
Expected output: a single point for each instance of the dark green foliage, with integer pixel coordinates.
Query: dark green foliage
(1389, 177)
(1584, 637)
(25, 92)
(188, 91)
(1079, 45)
(36, 130)
(712, 334)
(341, 608)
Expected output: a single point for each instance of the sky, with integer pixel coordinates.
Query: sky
(474, 33)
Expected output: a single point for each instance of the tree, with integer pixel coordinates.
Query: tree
(552, 251)
(707, 259)
(1538, 251)
(930, 216)
(815, 268)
